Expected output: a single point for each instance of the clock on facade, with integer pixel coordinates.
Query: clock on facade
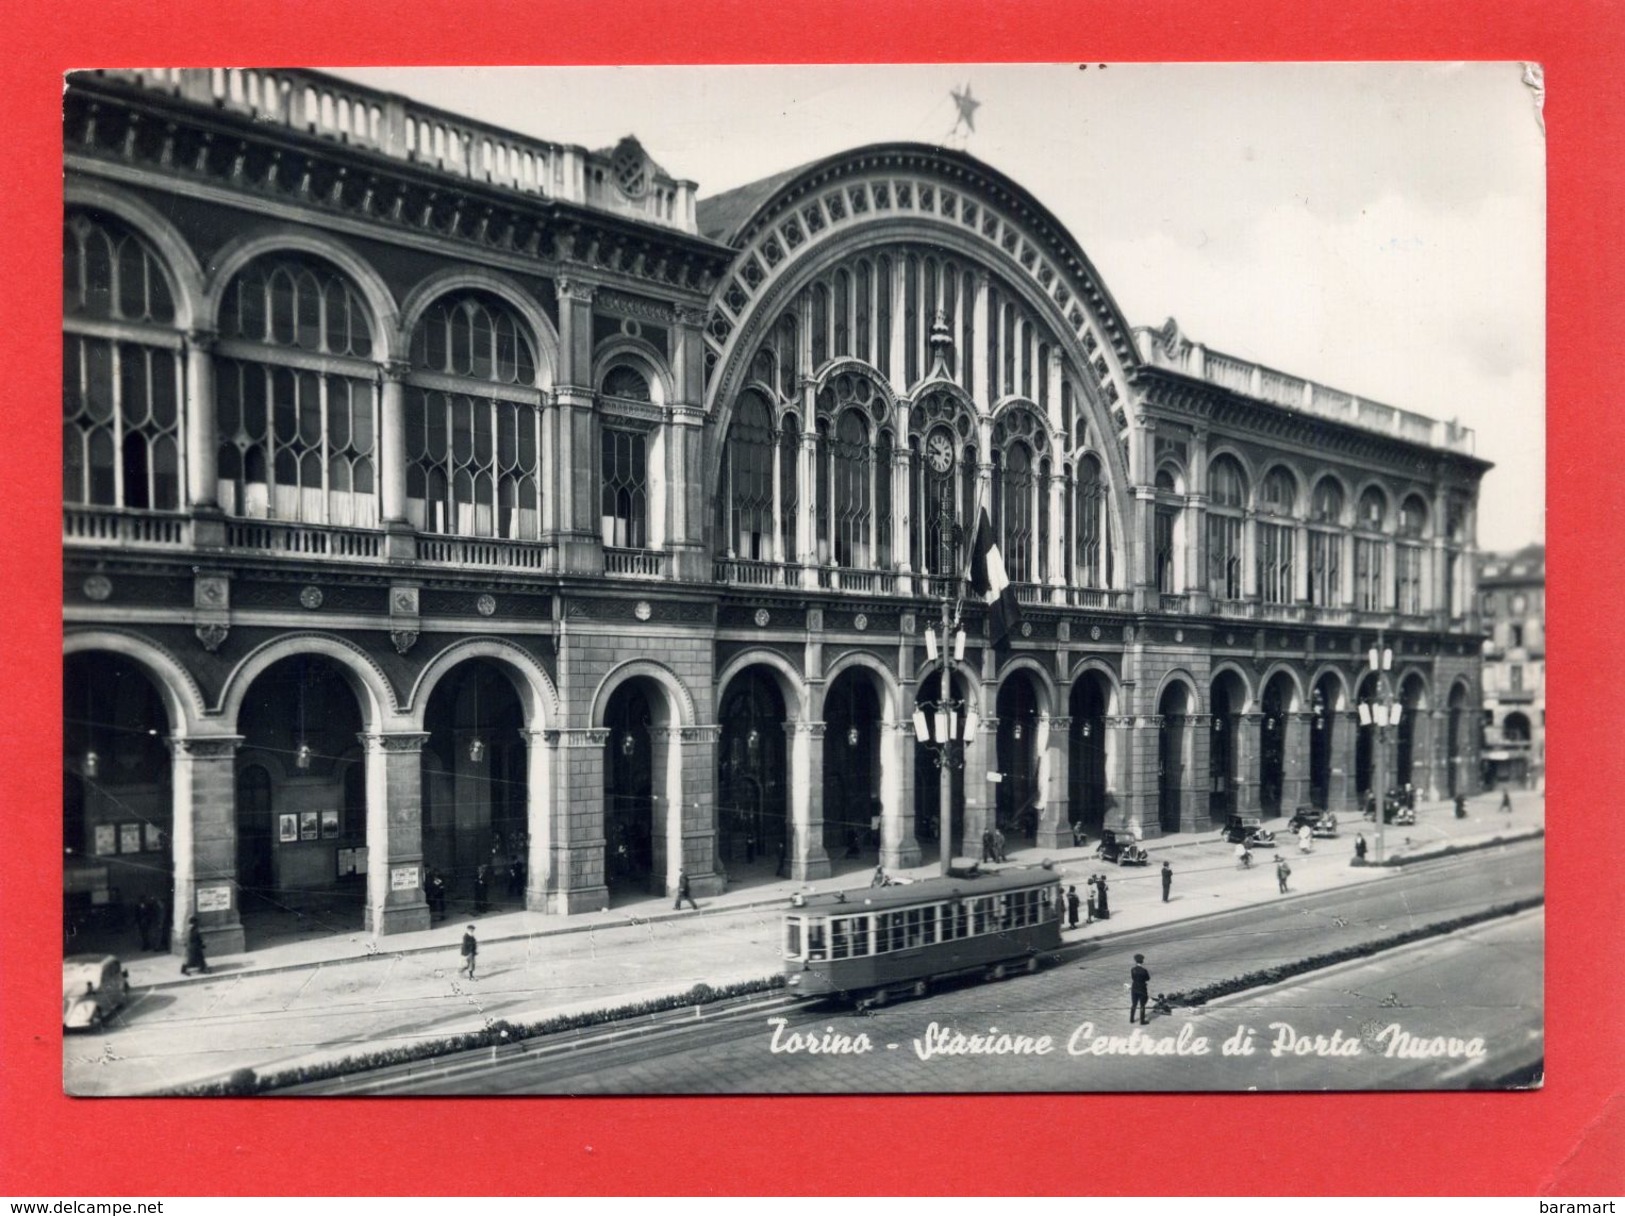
(939, 450)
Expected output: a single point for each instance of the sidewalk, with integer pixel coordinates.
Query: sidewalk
(1191, 853)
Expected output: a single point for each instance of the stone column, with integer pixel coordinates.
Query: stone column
(1055, 767)
(806, 502)
(399, 540)
(985, 360)
(1424, 755)
(1438, 766)
(202, 439)
(1194, 815)
(1249, 733)
(899, 849)
(1196, 581)
(1249, 556)
(1057, 535)
(976, 816)
(1295, 768)
(203, 837)
(694, 828)
(1341, 795)
(395, 902)
(1120, 783)
(897, 369)
(541, 754)
(575, 475)
(576, 838)
(1146, 775)
(808, 859)
(902, 531)
(687, 494)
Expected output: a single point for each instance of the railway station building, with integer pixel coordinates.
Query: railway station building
(443, 502)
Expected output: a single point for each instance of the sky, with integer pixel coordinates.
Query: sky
(1379, 228)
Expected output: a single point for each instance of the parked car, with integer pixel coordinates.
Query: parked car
(1120, 849)
(1321, 823)
(93, 986)
(1248, 830)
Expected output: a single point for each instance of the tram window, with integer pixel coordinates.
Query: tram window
(914, 927)
(815, 939)
(899, 930)
(982, 916)
(839, 943)
(882, 920)
(792, 937)
(862, 941)
(928, 925)
(1010, 910)
(961, 920)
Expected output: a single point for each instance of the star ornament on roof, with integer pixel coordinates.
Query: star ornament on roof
(967, 108)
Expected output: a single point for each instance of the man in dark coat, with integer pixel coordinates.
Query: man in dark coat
(1139, 989)
(482, 882)
(145, 913)
(194, 949)
(471, 952)
(1282, 873)
(1102, 909)
(1506, 801)
(683, 893)
(1167, 880)
(1072, 907)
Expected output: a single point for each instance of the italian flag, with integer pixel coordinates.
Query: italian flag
(988, 580)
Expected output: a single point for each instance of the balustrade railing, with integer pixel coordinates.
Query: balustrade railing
(744, 572)
(279, 539)
(481, 551)
(1176, 602)
(634, 563)
(94, 526)
(1244, 610)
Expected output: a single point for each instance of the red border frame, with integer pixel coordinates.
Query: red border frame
(1566, 1139)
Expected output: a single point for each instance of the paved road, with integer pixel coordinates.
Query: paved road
(1482, 983)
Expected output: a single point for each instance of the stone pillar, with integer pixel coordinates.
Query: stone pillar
(399, 540)
(897, 369)
(1055, 767)
(1249, 556)
(808, 859)
(1196, 581)
(807, 477)
(902, 530)
(202, 439)
(575, 473)
(687, 494)
(1249, 733)
(976, 816)
(1295, 767)
(899, 849)
(395, 902)
(1120, 783)
(541, 754)
(1056, 557)
(203, 836)
(1424, 755)
(1438, 767)
(1194, 814)
(576, 838)
(693, 830)
(1341, 795)
(1146, 776)
(984, 362)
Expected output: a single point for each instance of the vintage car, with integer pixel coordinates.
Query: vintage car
(1248, 830)
(1394, 809)
(1121, 849)
(93, 986)
(1321, 823)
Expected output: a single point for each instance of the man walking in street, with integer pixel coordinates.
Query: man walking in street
(1506, 801)
(471, 951)
(1102, 909)
(1139, 990)
(1282, 873)
(1167, 879)
(1072, 907)
(683, 893)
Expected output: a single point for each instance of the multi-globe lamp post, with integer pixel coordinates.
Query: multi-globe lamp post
(1383, 715)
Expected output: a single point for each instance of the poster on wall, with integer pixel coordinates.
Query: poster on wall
(307, 825)
(403, 878)
(106, 839)
(330, 825)
(288, 829)
(214, 899)
(153, 837)
(129, 838)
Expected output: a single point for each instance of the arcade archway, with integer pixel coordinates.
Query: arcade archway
(1088, 789)
(754, 838)
(1017, 796)
(1229, 701)
(1173, 754)
(852, 762)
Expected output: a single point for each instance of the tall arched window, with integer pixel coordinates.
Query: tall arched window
(1166, 530)
(1326, 543)
(1014, 510)
(121, 370)
(851, 474)
(1227, 493)
(790, 484)
(624, 489)
(1369, 548)
(473, 422)
(1413, 522)
(296, 401)
(1277, 494)
(1091, 531)
(749, 481)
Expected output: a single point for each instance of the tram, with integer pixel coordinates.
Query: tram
(873, 944)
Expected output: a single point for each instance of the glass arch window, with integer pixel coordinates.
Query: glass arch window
(1093, 551)
(1370, 552)
(749, 481)
(851, 469)
(1227, 489)
(1015, 510)
(295, 396)
(1276, 541)
(473, 422)
(1409, 594)
(121, 370)
(1326, 544)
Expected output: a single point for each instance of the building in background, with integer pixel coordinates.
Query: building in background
(447, 505)
(1512, 601)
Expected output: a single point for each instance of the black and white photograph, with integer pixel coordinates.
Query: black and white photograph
(803, 579)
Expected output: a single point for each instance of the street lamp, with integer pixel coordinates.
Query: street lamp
(1384, 715)
(946, 726)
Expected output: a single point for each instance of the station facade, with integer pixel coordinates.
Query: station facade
(444, 502)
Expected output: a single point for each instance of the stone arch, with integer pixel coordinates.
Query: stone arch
(183, 699)
(641, 355)
(1048, 698)
(1345, 690)
(1114, 689)
(852, 366)
(1389, 503)
(1248, 469)
(479, 278)
(677, 693)
(1299, 697)
(1015, 401)
(1299, 507)
(1180, 675)
(537, 696)
(891, 704)
(1348, 499)
(373, 691)
(790, 684)
(1413, 671)
(240, 252)
(1248, 688)
(180, 264)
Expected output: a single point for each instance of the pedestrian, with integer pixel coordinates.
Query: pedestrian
(1167, 879)
(1101, 908)
(471, 952)
(1139, 990)
(1461, 806)
(1359, 848)
(1371, 804)
(778, 871)
(1072, 907)
(683, 893)
(437, 893)
(516, 878)
(1410, 796)
(1244, 859)
(1506, 801)
(998, 844)
(1077, 836)
(163, 924)
(144, 910)
(482, 882)
(879, 879)
(1306, 838)
(1094, 896)
(987, 845)
(194, 949)
(1282, 873)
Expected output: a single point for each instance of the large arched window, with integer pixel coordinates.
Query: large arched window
(1093, 557)
(1326, 543)
(748, 481)
(851, 475)
(1014, 510)
(473, 422)
(121, 370)
(1277, 494)
(1370, 546)
(296, 402)
(1413, 522)
(1166, 533)
(942, 482)
(1227, 493)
